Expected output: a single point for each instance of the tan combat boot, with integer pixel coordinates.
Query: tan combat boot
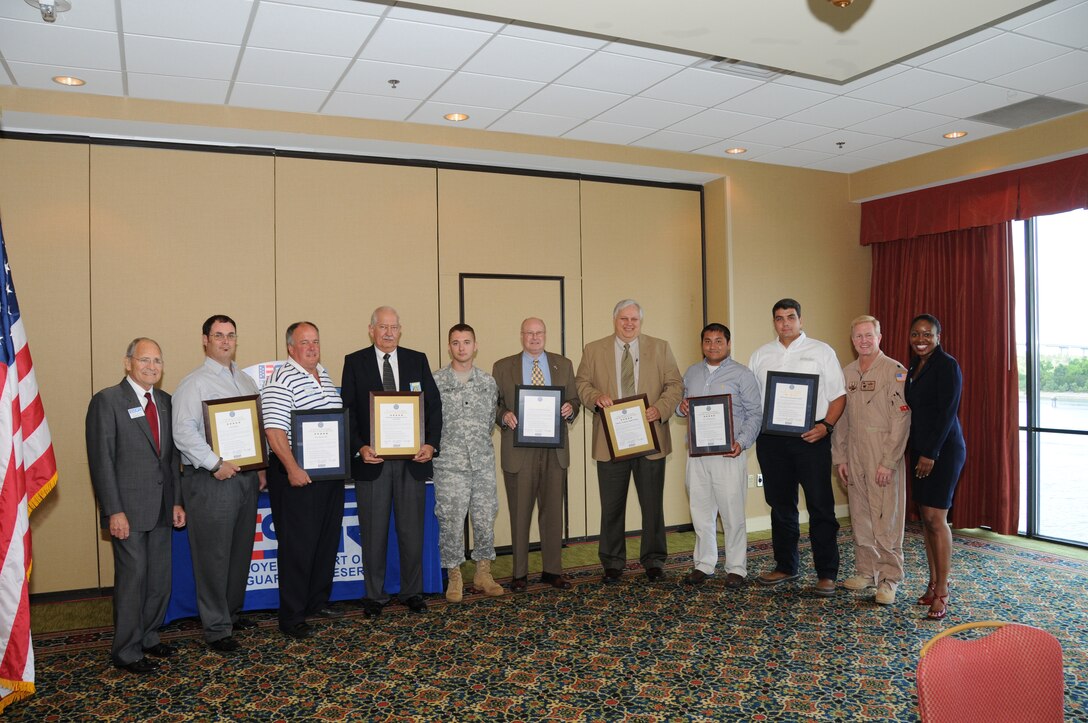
(455, 590)
(483, 580)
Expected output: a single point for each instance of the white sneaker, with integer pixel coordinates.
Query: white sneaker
(858, 582)
(885, 593)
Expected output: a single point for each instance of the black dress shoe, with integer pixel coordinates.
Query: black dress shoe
(329, 613)
(518, 584)
(555, 580)
(143, 665)
(371, 608)
(611, 576)
(695, 577)
(161, 650)
(416, 604)
(298, 631)
(733, 581)
(225, 645)
(653, 574)
(244, 623)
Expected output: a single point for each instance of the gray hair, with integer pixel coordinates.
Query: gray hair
(623, 305)
(291, 330)
(136, 342)
(374, 316)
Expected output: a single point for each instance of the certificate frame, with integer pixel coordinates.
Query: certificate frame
(699, 450)
(637, 404)
(414, 402)
(523, 392)
(811, 381)
(250, 403)
(299, 417)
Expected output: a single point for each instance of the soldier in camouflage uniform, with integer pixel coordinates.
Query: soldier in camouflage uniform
(464, 474)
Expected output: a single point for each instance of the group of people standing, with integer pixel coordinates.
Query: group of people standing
(153, 469)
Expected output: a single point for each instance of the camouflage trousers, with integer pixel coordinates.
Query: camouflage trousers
(460, 493)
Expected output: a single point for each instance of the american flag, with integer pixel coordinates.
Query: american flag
(28, 472)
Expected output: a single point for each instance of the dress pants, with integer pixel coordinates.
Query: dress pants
(540, 482)
(613, 479)
(141, 590)
(717, 486)
(787, 462)
(394, 489)
(309, 523)
(222, 519)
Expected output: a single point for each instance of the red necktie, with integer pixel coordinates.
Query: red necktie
(152, 414)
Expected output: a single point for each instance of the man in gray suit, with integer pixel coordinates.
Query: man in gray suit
(535, 475)
(134, 470)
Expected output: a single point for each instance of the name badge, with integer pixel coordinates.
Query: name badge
(415, 387)
(135, 412)
(868, 385)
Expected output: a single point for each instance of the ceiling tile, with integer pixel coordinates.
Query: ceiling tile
(452, 20)
(900, 123)
(525, 59)
(897, 150)
(823, 86)
(1043, 11)
(704, 88)
(1049, 75)
(840, 112)
(372, 78)
(164, 56)
(185, 90)
(793, 157)
(975, 130)
(432, 112)
(356, 105)
(718, 123)
(774, 100)
(852, 141)
(617, 73)
(99, 82)
(783, 133)
(430, 46)
(648, 112)
(85, 14)
(669, 141)
(911, 87)
(844, 164)
(295, 70)
(537, 124)
(212, 21)
(997, 56)
(1077, 94)
(973, 100)
(326, 32)
(485, 91)
(955, 46)
(754, 150)
(346, 6)
(56, 45)
(607, 133)
(552, 36)
(273, 97)
(649, 53)
(1067, 28)
(571, 102)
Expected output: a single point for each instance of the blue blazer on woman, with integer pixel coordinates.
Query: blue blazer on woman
(934, 400)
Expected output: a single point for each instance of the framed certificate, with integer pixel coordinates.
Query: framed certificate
(234, 428)
(539, 421)
(710, 425)
(790, 405)
(627, 430)
(319, 441)
(396, 424)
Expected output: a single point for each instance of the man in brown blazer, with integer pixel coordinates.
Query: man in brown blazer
(535, 475)
(619, 366)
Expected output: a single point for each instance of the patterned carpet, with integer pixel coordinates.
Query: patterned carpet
(636, 651)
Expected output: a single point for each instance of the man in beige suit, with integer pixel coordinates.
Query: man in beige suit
(535, 475)
(619, 366)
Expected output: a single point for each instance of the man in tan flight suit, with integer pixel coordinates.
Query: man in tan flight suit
(867, 450)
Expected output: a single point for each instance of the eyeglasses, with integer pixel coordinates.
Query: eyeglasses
(220, 336)
(387, 327)
(533, 333)
(148, 361)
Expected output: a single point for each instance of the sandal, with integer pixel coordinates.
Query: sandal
(935, 614)
(927, 599)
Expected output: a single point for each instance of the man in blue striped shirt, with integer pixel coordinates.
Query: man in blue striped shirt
(308, 516)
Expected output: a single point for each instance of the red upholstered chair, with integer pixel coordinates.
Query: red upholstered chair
(1014, 673)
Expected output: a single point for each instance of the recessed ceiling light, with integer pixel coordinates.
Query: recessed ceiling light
(456, 117)
(736, 151)
(68, 80)
(955, 134)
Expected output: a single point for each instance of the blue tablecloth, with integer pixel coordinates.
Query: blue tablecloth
(262, 592)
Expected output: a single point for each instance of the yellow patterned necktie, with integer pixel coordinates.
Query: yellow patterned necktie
(627, 373)
(537, 374)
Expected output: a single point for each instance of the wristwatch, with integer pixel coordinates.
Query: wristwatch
(829, 425)
(217, 465)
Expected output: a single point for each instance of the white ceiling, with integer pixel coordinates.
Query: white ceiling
(335, 57)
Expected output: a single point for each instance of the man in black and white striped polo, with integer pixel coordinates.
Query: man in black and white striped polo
(308, 516)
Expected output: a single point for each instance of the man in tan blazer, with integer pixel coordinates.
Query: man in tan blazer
(535, 475)
(616, 367)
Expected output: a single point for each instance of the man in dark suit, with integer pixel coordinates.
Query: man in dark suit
(380, 484)
(535, 475)
(134, 470)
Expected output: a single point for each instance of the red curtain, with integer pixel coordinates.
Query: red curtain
(965, 279)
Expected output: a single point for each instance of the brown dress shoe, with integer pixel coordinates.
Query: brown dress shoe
(518, 584)
(555, 580)
(775, 577)
(611, 576)
(825, 587)
(695, 577)
(733, 581)
(653, 574)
